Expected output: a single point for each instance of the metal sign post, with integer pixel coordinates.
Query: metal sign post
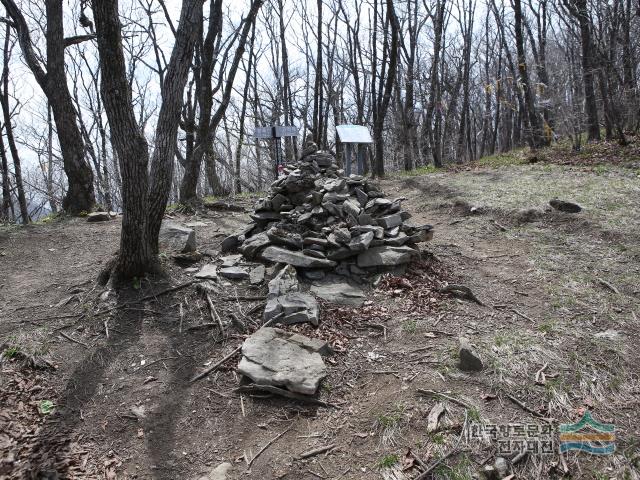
(276, 133)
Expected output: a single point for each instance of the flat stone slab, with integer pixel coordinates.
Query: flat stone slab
(335, 290)
(252, 245)
(286, 281)
(297, 259)
(387, 256)
(230, 260)
(272, 356)
(209, 271)
(256, 275)
(293, 307)
(234, 273)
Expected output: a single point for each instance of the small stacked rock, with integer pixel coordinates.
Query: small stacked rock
(314, 218)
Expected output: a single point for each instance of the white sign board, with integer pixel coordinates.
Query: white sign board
(263, 132)
(286, 131)
(354, 134)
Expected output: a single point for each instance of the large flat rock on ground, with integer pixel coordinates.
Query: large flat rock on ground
(272, 356)
(387, 256)
(337, 290)
(297, 259)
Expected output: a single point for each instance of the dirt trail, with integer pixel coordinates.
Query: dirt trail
(124, 403)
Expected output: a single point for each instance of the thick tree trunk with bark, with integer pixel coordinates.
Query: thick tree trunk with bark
(53, 81)
(144, 199)
(135, 257)
(169, 116)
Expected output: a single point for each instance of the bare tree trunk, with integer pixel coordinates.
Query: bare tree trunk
(53, 81)
(318, 87)
(52, 201)
(384, 94)
(536, 134)
(434, 88)
(5, 205)
(135, 257)
(209, 123)
(578, 8)
(8, 127)
(175, 81)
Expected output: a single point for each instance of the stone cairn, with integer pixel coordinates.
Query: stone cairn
(316, 222)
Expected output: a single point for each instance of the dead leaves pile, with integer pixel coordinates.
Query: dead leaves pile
(418, 289)
(30, 446)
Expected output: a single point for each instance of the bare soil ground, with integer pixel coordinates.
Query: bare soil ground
(559, 290)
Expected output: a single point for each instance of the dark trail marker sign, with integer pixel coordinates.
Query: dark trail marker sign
(276, 133)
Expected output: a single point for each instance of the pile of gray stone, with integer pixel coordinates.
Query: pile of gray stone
(318, 220)
(333, 231)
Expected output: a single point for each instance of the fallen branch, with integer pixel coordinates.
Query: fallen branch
(519, 457)
(71, 339)
(502, 228)
(609, 286)
(461, 291)
(269, 443)
(520, 314)
(433, 393)
(316, 451)
(255, 387)
(214, 314)
(524, 407)
(213, 368)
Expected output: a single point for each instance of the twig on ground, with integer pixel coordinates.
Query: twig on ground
(502, 228)
(147, 297)
(519, 457)
(254, 387)
(201, 325)
(609, 286)
(520, 314)
(106, 328)
(524, 407)
(316, 451)
(433, 393)
(214, 314)
(71, 339)
(214, 367)
(154, 362)
(181, 313)
(461, 291)
(269, 443)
